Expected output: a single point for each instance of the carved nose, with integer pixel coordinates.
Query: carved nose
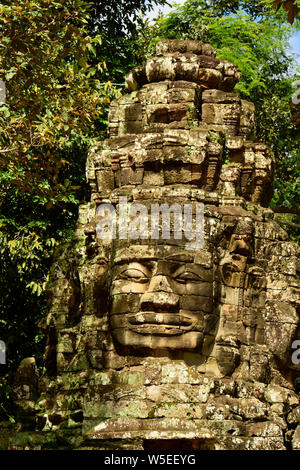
(159, 296)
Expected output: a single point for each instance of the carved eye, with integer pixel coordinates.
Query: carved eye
(134, 274)
(187, 276)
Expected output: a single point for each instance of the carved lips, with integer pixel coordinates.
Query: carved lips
(163, 324)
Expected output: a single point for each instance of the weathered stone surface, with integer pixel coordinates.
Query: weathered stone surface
(149, 339)
(26, 380)
(296, 439)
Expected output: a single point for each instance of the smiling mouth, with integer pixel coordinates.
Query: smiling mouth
(165, 324)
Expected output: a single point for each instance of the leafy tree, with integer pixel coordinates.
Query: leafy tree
(52, 99)
(119, 24)
(51, 114)
(116, 19)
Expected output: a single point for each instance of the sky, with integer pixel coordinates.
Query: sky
(295, 45)
(294, 42)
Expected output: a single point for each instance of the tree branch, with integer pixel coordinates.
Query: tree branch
(286, 210)
(8, 150)
(284, 222)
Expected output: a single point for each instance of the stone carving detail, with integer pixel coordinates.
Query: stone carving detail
(156, 345)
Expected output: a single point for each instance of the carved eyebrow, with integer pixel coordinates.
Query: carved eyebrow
(134, 258)
(148, 262)
(135, 265)
(180, 257)
(183, 257)
(126, 264)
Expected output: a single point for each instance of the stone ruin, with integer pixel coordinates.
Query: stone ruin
(151, 345)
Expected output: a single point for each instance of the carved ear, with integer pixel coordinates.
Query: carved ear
(226, 270)
(256, 279)
(231, 269)
(101, 286)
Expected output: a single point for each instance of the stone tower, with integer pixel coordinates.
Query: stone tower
(154, 343)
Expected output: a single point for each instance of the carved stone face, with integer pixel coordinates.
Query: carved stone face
(161, 299)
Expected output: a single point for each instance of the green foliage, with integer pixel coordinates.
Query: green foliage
(297, 385)
(54, 109)
(52, 113)
(53, 99)
(115, 19)
(119, 24)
